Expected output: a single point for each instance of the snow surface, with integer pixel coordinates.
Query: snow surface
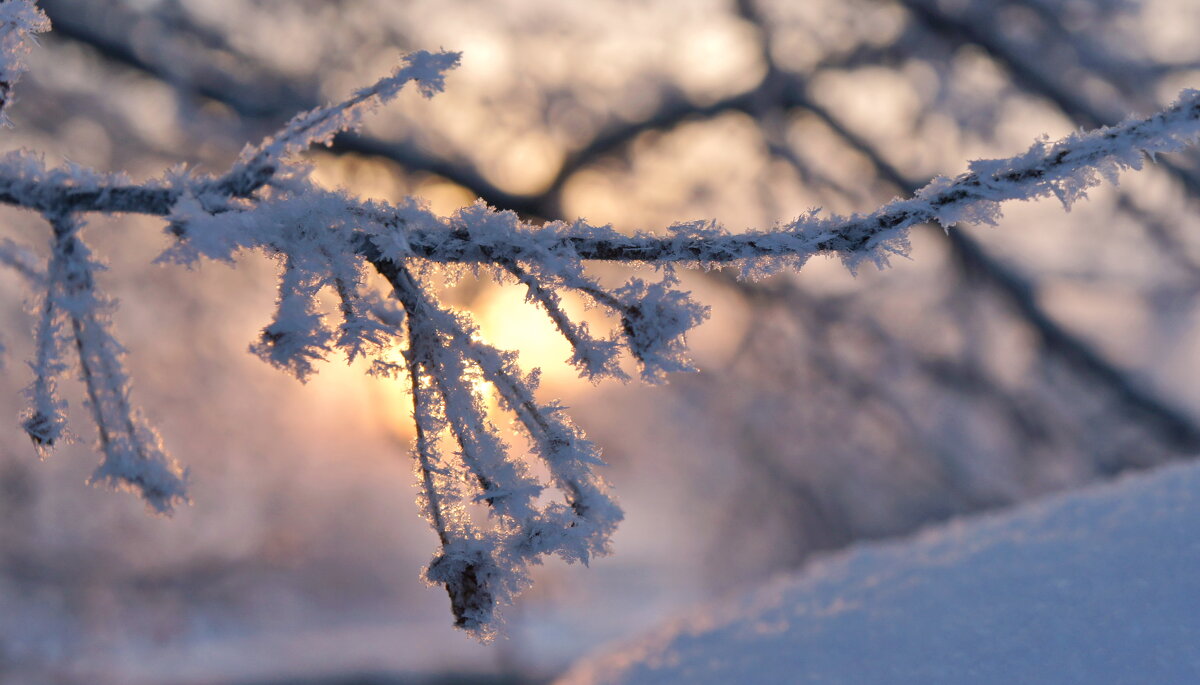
(1096, 586)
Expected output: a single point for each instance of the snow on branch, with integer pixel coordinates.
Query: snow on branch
(19, 21)
(328, 241)
(320, 125)
(445, 362)
(1065, 169)
(133, 453)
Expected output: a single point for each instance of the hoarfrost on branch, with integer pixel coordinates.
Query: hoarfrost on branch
(329, 240)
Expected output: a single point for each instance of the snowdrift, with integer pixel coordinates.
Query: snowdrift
(1093, 586)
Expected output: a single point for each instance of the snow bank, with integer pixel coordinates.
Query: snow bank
(1099, 586)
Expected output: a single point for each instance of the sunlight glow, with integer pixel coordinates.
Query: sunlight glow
(509, 323)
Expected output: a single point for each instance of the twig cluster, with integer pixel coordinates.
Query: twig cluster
(330, 240)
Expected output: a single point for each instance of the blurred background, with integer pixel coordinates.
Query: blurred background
(996, 365)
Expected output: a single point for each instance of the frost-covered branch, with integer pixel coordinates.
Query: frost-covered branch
(19, 21)
(330, 240)
(133, 454)
(445, 362)
(1065, 169)
(319, 126)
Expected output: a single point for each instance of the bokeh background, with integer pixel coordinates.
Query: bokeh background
(995, 365)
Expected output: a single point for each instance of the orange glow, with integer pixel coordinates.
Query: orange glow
(507, 322)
